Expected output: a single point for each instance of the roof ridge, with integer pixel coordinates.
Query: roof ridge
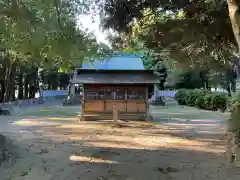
(119, 61)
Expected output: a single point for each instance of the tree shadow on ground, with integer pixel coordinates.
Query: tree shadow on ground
(190, 131)
(99, 158)
(140, 164)
(136, 151)
(109, 160)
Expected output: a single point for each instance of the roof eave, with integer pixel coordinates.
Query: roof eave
(113, 70)
(119, 82)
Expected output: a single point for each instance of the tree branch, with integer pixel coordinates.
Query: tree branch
(58, 13)
(33, 18)
(4, 12)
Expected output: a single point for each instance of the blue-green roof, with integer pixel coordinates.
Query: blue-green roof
(117, 62)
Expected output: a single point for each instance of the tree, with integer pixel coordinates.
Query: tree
(119, 14)
(183, 30)
(43, 34)
(156, 63)
(234, 14)
(197, 34)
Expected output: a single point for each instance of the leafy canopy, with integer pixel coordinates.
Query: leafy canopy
(196, 33)
(45, 32)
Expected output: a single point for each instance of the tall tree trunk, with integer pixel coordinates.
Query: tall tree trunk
(233, 86)
(2, 80)
(233, 8)
(229, 89)
(20, 89)
(33, 90)
(2, 90)
(32, 83)
(234, 14)
(8, 69)
(26, 88)
(12, 82)
(204, 79)
(49, 83)
(206, 83)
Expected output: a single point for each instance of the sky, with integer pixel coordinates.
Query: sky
(93, 25)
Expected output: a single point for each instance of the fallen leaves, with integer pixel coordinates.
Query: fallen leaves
(22, 174)
(43, 151)
(167, 170)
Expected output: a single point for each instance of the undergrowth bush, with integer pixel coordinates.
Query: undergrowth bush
(219, 102)
(180, 96)
(200, 102)
(208, 101)
(202, 99)
(191, 97)
(234, 121)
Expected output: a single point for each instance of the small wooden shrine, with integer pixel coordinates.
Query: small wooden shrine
(122, 88)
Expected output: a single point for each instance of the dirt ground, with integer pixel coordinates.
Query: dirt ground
(181, 143)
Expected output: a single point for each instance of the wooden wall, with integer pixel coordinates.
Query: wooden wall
(124, 105)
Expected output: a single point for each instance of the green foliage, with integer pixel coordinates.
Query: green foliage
(45, 33)
(188, 80)
(193, 95)
(219, 101)
(202, 99)
(235, 100)
(119, 14)
(208, 101)
(234, 121)
(189, 97)
(197, 34)
(151, 61)
(180, 96)
(200, 103)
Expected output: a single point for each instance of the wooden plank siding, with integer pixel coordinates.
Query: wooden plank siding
(123, 105)
(95, 106)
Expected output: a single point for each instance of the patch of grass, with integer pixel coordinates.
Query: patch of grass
(184, 112)
(45, 110)
(54, 112)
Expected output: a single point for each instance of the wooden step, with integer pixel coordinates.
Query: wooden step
(109, 116)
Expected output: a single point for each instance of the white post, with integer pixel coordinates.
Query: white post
(72, 90)
(155, 91)
(41, 98)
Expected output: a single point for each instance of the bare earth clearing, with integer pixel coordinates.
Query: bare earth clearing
(180, 144)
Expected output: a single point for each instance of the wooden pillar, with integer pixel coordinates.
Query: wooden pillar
(83, 104)
(125, 105)
(115, 114)
(148, 116)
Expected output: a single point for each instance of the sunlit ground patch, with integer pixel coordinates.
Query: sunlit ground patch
(45, 110)
(170, 113)
(32, 122)
(205, 120)
(153, 143)
(63, 119)
(90, 159)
